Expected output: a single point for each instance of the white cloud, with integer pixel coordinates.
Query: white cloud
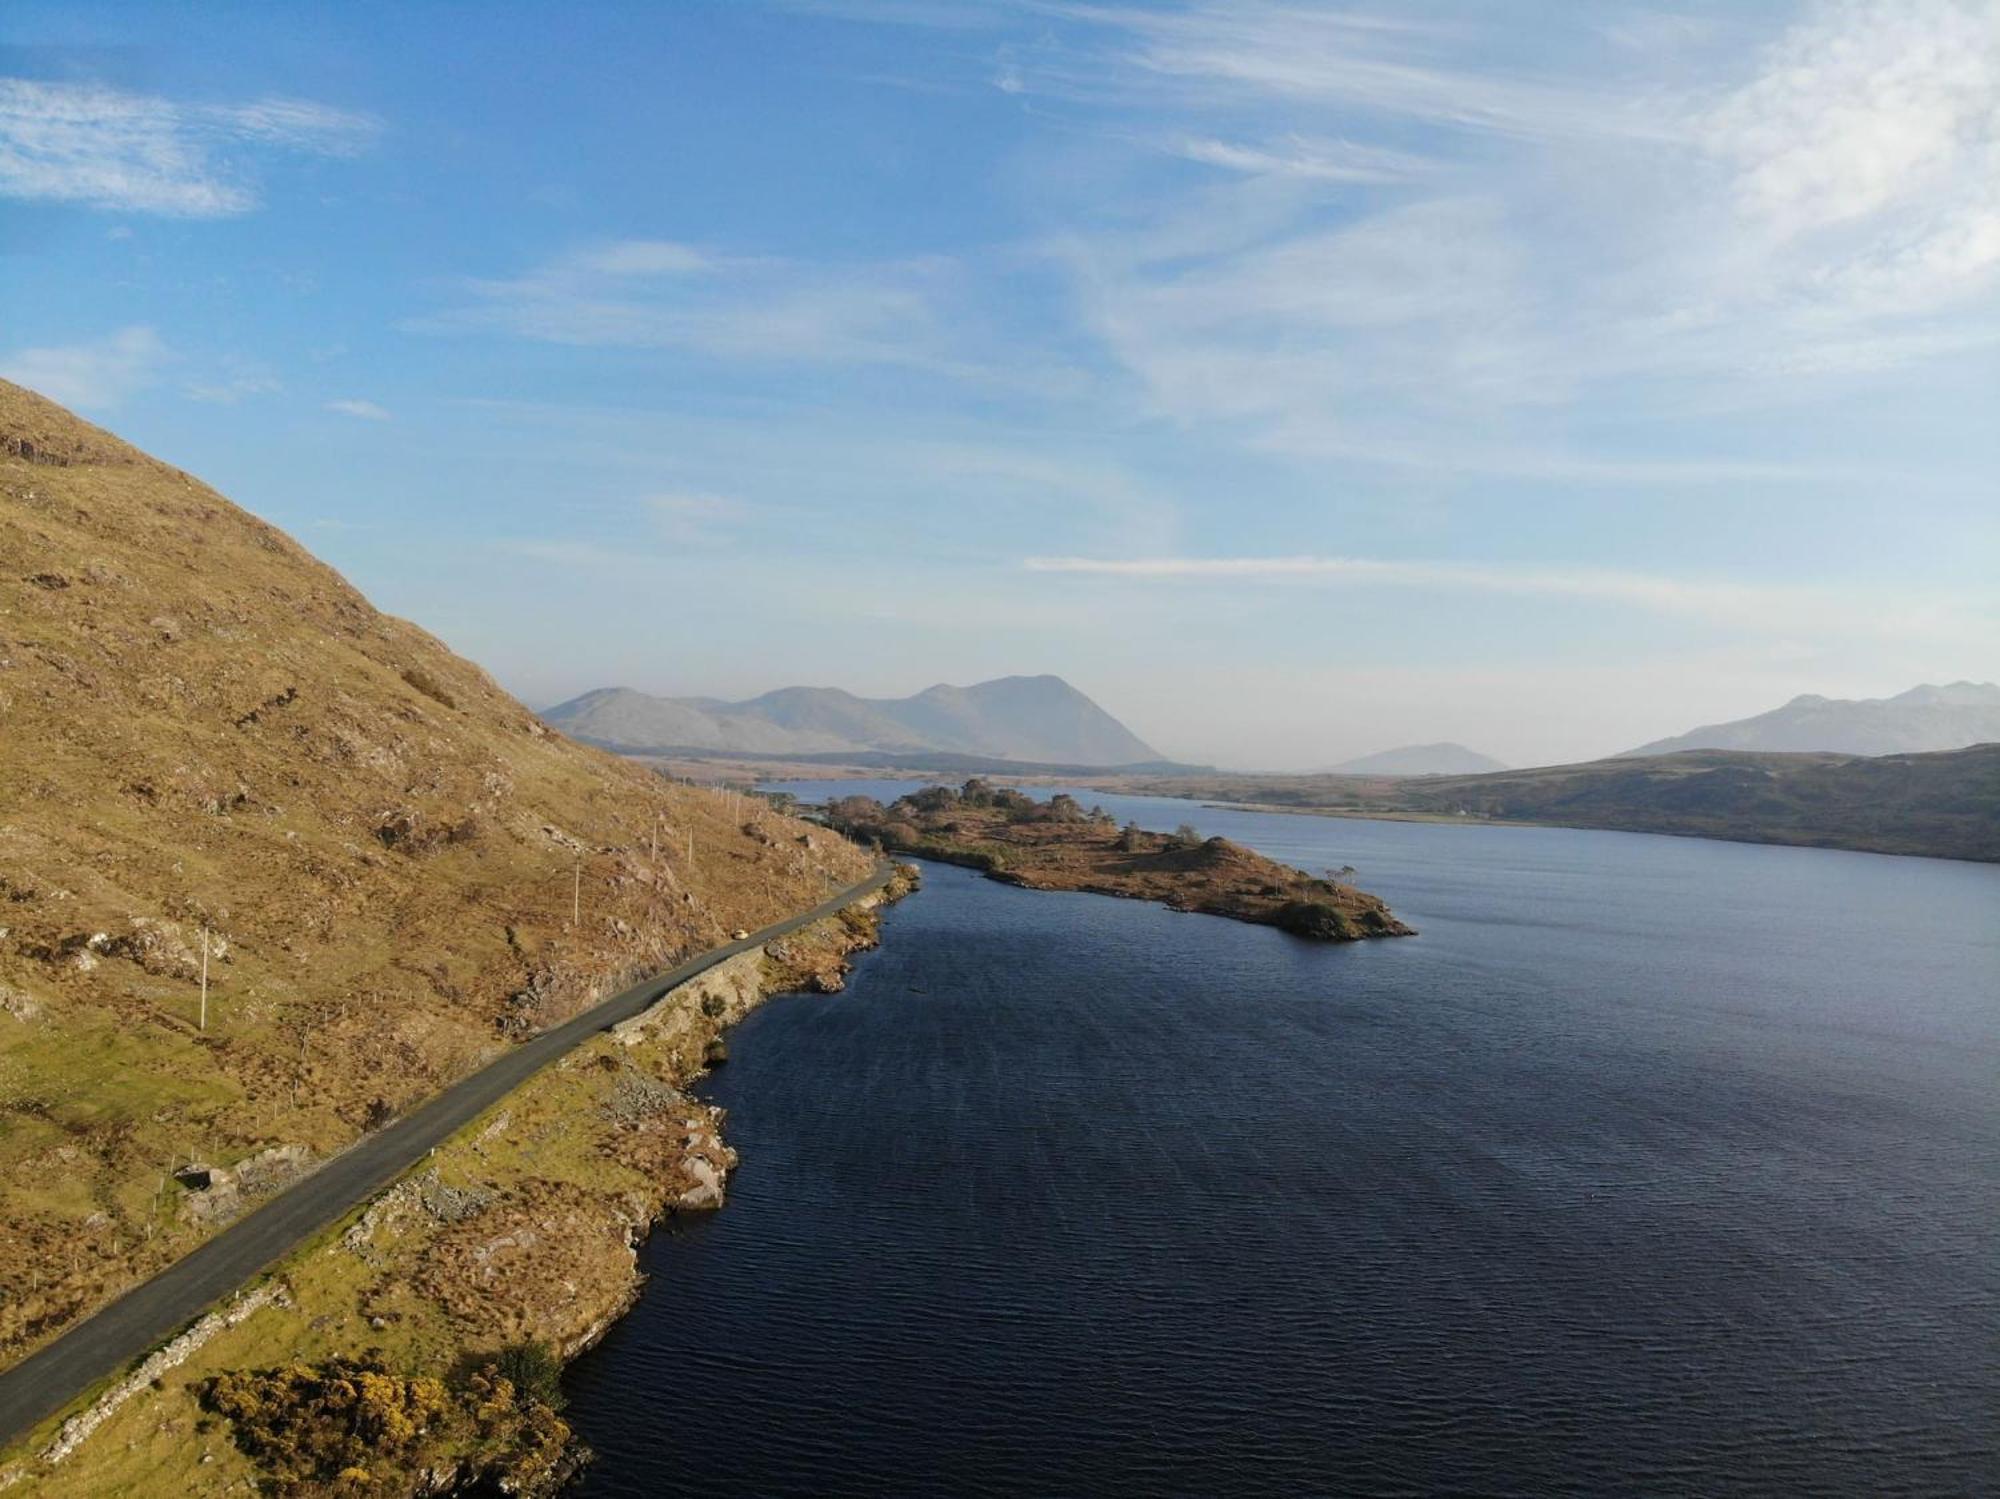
(95, 375)
(1861, 107)
(366, 411)
(102, 148)
(1865, 159)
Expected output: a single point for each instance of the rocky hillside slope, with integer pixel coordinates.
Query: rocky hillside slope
(1041, 719)
(398, 868)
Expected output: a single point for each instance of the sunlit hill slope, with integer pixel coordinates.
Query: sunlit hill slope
(204, 729)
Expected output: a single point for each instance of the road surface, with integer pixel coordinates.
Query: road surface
(149, 1314)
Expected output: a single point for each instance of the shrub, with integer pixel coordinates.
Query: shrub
(302, 1424)
(933, 799)
(534, 1370)
(1315, 919)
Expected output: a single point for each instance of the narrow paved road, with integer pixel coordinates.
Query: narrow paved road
(147, 1315)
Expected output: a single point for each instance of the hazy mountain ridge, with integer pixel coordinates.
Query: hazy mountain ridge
(1927, 718)
(1442, 759)
(1039, 718)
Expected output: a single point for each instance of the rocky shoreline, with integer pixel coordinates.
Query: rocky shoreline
(522, 1232)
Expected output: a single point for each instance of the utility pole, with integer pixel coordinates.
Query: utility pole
(204, 980)
(576, 895)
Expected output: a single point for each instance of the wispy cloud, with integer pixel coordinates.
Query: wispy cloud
(366, 411)
(666, 295)
(237, 380)
(99, 147)
(577, 556)
(1462, 240)
(1377, 63)
(1303, 157)
(696, 518)
(96, 375)
(1759, 606)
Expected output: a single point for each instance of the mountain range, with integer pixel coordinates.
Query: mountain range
(1923, 719)
(1041, 719)
(1419, 760)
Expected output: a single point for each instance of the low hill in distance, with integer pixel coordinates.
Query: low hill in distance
(1929, 717)
(1444, 759)
(1041, 719)
(208, 739)
(1946, 805)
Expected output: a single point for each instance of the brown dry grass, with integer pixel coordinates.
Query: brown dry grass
(202, 726)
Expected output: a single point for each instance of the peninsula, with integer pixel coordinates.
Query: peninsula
(1058, 845)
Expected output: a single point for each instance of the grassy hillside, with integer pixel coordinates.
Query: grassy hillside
(1946, 805)
(202, 727)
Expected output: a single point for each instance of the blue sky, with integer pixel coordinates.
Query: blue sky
(1296, 379)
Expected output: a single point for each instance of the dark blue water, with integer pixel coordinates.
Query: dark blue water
(1652, 1166)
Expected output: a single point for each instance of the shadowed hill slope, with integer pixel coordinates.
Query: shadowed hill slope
(1945, 805)
(204, 728)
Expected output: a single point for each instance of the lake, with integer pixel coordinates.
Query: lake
(1652, 1165)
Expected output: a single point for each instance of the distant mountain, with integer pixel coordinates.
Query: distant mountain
(1944, 804)
(1923, 719)
(1419, 760)
(1010, 718)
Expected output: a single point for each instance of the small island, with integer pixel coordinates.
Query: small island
(1059, 845)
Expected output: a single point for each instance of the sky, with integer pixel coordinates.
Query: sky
(1296, 380)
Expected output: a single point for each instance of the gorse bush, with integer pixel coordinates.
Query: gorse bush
(355, 1426)
(335, 1423)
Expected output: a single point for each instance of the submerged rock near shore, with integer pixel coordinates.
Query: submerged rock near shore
(1059, 845)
